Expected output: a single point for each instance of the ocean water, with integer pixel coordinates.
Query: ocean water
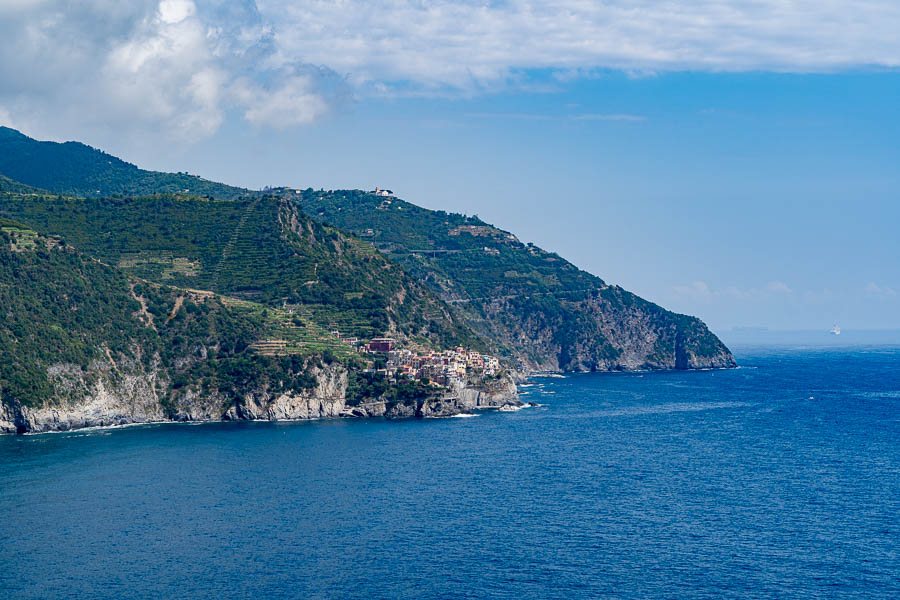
(780, 479)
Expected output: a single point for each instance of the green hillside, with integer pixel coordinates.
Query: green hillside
(263, 250)
(534, 304)
(75, 169)
(68, 318)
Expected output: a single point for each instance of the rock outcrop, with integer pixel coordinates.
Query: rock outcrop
(327, 400)
(111, 399)
(463, 398)
(608, 329)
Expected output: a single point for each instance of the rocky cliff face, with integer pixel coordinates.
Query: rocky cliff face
(607, 330)
(108, 401)
(116, 399)
(464, 398)
(643, 336)
(327, 400)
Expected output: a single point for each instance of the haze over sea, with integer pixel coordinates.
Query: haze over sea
(780, 479)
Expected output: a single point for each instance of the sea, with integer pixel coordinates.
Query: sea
(779, 479)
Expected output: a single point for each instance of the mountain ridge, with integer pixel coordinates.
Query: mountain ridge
(76, 169)
(532, 306)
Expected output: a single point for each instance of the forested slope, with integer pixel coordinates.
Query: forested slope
(73, 328)
(263, 250)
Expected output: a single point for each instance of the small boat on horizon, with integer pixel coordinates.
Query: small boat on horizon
(835, 330)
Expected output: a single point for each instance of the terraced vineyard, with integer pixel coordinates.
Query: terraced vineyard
(19, 237)
(288, 332)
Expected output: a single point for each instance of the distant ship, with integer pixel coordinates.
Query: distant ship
(835, 330)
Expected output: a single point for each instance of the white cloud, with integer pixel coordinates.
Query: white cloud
(880, 291)
(170, 67)
(292, 100)
(13, 6)
(164, 73)
(475, 43)
(698, 290)
(180, 66)
(176, 11)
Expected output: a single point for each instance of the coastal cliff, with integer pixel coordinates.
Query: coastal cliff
(86, 400)
(607, 329)
(461, 398)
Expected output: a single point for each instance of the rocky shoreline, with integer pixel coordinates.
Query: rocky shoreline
(132, 400)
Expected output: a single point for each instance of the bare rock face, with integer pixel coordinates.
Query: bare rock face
(285, 407)
(493, 394)
(644, 337)
(611, 330)
(116, 399)
(92, 400)
(327, 400)
(110, 400)
(194, 406)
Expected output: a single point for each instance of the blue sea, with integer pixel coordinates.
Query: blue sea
(780, 479)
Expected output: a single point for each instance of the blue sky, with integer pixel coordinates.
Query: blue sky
(733, 161)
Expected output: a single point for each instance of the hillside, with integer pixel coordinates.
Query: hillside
(75, 169)
(76, 329)
(85, 344)
(262, 250)
(533, 304)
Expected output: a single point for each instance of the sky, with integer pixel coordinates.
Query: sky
(737, 161)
